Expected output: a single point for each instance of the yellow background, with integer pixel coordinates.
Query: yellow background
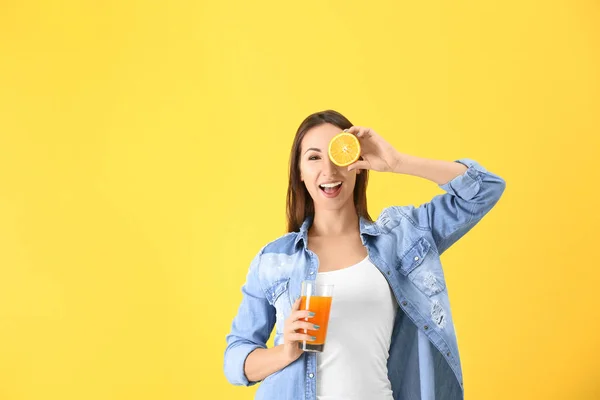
(143, 163)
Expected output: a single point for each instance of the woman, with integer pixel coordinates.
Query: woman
(390, 332)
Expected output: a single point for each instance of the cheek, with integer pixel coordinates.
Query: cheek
(350, 179)
(311, 190)
(306, 172)
(350, 185)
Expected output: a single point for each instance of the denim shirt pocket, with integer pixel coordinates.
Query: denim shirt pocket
(422, 266)
(278, 295)
(277, 289)
(414, 256)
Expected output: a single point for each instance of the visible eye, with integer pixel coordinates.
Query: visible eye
(314, 157)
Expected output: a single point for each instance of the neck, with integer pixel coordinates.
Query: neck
(335, 222)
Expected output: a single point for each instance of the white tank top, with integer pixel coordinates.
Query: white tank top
(353, 364)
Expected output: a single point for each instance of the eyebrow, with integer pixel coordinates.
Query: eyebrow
(312, 148)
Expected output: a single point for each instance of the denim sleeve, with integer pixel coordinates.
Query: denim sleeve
(251, 327)
(468, 198)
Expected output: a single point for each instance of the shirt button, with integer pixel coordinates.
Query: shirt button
(417, 258)
(311, 375)
(311, 272)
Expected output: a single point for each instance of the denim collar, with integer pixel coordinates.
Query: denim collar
(366, 228)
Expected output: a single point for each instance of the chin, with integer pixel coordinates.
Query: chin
(333, 204)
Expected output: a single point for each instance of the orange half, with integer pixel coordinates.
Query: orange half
(344, 149)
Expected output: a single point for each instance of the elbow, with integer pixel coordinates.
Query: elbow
(500, 187)
(232, 371)
(229, 375)
(491, 188)
(488, 196)
(233, 365)
(493, 193)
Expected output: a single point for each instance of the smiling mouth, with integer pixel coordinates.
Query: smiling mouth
(331, 189)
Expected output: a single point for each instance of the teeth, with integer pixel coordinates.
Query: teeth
(331, 185)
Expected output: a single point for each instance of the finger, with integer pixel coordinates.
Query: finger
(359, 165)
(296, 315)
(304, 325)
(365, 133)
(360, 131)
(353, 129)
(296, 304)
(298, 337)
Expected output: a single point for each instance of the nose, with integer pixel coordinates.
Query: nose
(329, 169)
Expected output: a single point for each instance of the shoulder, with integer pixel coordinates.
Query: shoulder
(277, 259)
(283, 246)
(405, 217)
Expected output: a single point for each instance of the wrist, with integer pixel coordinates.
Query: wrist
(409, 165)
(285, 357)
(401, 163)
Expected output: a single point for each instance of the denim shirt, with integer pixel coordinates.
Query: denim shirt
(405, 244)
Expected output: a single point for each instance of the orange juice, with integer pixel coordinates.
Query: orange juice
(320, 305)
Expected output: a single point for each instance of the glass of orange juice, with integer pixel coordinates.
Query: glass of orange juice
(316, 298)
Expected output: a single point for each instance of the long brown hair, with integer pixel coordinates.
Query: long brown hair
(299, 203)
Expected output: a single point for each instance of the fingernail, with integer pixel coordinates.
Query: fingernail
(316, 326)
(311, 314)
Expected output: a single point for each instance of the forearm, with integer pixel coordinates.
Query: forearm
(438, 171)
(263, 362)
